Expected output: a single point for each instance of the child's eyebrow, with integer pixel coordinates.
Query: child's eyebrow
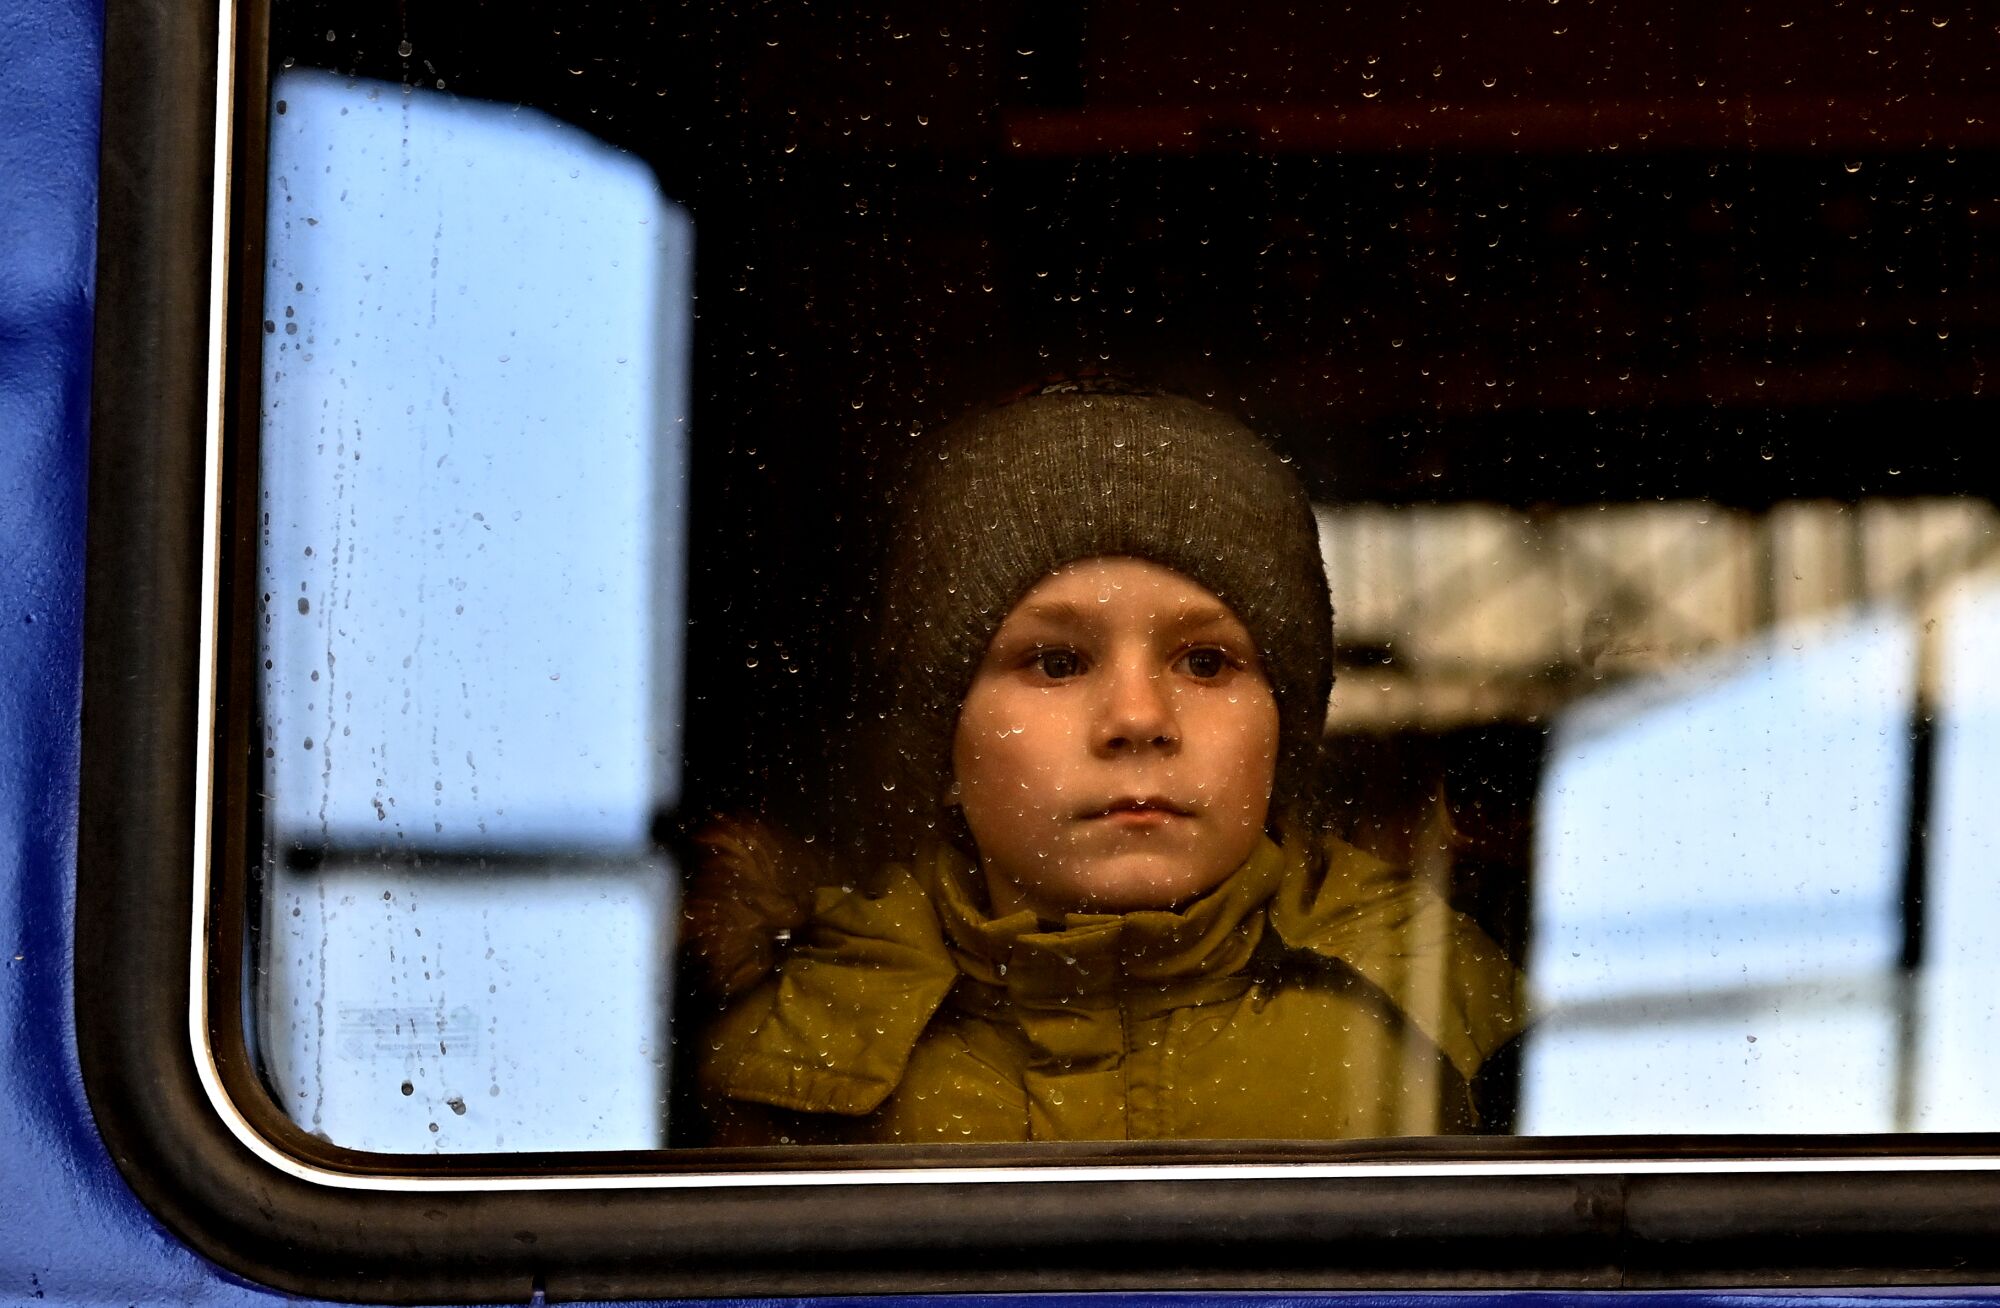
(1055, 611)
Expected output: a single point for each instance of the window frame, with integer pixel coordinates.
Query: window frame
(163, 860)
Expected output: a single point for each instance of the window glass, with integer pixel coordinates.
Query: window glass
(890, 704)
(474, 488)
(1722, 877)
(1667, 948)
(1962, 905)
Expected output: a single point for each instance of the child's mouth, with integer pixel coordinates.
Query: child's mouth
(1138, 810)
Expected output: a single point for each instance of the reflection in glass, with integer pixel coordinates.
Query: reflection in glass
(1955, 1089)
(1717, 894)
(1728, 897)
(473, 463)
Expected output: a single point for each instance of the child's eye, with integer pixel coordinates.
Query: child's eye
(1206, 664)
(1057, 664)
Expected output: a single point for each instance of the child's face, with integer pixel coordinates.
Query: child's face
(1117, 747)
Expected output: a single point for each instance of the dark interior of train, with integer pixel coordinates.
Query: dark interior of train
(1534, 255)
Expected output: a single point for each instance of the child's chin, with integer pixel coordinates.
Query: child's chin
(1129, 882)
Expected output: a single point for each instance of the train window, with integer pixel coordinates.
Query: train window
(1641, 756)
(1371, 620)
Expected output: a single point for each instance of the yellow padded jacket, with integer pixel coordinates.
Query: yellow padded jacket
(1308, 998)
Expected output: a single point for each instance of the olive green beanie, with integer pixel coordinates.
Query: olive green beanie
(999, 499)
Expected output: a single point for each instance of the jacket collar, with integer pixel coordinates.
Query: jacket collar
(873, 970)
(1093, 957)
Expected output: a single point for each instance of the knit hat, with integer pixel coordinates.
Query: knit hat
(1001, 498)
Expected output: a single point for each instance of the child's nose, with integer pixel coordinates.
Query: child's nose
(1136, 710)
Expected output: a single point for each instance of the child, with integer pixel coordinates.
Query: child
(1106, 650)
